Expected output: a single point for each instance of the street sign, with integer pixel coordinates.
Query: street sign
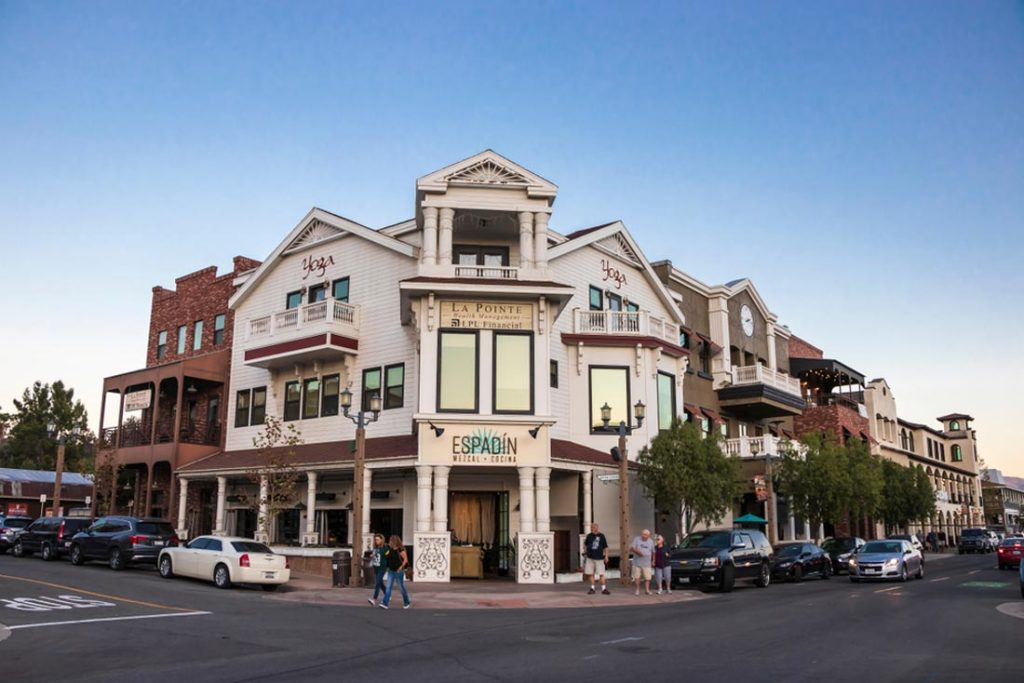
(42, 498)
(607, 477)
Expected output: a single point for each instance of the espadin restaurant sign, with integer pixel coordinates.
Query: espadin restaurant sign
(476, 444)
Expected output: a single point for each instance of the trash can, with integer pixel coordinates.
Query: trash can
(341, 568)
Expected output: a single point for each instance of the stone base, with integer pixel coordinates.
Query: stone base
(432, 557)
(535, 557)
(182, 534)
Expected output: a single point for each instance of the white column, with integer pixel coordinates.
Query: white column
(527, 521)
(430, 235)
(310, 537)
(263, 517)
(543, 496)
(588, 500)
(771, 347)
(424, 477)
(821, 532)
(792, 527)
(440, 516)
(540, 240)
(807, 531)
(444, 240)
(526, 239)
(222, 494)
(182, 502)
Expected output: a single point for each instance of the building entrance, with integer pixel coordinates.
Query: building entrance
(481, 543)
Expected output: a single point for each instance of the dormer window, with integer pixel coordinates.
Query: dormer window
(954, 426)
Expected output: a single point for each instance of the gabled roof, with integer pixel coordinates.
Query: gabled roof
(734, 287)
(488, 169)
(43, 477)
(617, 230)
(316, 227)
(955, 416)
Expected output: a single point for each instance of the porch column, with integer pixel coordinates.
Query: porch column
(424, 477)
(792, 527)
(222, 495)
(543, 496)
(182, 505)
(444, 241)
(588, 500)
(440, 515)
(263, 516)
(527, 521)
(540, 240)
(772, 360)
(430, 235)
(807, 531)
(310, 537)
(821, 532)
(526, 239)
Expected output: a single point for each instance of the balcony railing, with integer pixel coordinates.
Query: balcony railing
(490, 272)
(759, 446)
(308, 315)
(625, 322)
(762, 374)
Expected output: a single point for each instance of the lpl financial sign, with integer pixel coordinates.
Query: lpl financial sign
(487, 315)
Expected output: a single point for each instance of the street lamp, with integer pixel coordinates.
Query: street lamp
(360, 420)
(61, 437)
(619, 454)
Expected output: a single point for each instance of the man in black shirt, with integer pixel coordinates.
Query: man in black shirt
(596, 546)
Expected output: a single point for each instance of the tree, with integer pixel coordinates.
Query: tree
(106, 473)
(897, 492)
(30, 445)
(689, 474)
(866, 480)
(275, 445)
(817, 484)
(922, 496)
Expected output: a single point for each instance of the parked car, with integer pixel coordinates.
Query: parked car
(794, 561)
(721, 556)
(976, 541)
(840, 550)
(1021, 577)
(121, 541)
(9, 531)
(226, 560)
(888, 559)
(1010, 552)
(914, 541)
(49, 536)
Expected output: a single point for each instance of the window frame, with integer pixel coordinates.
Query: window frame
(313, 289)
(364, 397)
(348, 288)
(297, 294)
(481, 251)
(552, 373)
(590, 397)
(476, 369)
(197, 335)
(956, 453)
(297, 403)
(494, 371)
(306, 381)
(600, 298)
(181, 343)
(262, 407)
(325, 411)
(672, 394)
(220, 322)
(247, 393)
(385, 387)
(161, 344)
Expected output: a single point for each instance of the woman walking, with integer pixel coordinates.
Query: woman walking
(662, 570)
(380, 569)
(397, 561)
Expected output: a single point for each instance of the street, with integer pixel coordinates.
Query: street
(95, 624)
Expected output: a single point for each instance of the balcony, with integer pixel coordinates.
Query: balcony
(320, 331)
(759, 446)
(487, 272)
(633, 323)
(759, 392)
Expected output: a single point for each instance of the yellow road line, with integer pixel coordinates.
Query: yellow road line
(98, 595)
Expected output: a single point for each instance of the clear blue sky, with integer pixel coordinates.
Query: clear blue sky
(862, 162)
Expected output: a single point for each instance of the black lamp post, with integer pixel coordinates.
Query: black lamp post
(619, 454)
(61, 438)
(361, 419)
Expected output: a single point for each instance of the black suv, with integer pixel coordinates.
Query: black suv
(49, 536)
(121, 541)
(976, 541)
(721, 556)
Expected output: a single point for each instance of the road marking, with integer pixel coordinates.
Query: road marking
(98, 595)
(943, 578)
(1012, 609)
(886, 590)
(974, 572)
(591, 656)
(621, 640)
(93, 621)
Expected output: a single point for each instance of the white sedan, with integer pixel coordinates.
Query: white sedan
(225, 560)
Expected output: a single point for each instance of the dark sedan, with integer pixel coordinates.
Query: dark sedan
(794, 561)
(840, 550)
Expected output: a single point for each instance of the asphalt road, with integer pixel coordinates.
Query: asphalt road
(133, 625)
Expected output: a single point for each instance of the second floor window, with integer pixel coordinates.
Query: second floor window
(371, 386)
(394, 386)
(513, 373)
(242, 399)
(705, 357)
(293, 300)
(310, 398)
(197, 336)
(218, 329)
(339, 289)
(457, 372)
(666, 401)
(596, 298)
(609, 385)
(317, 293)
(161, 344)
(957, 454)
(330, 390)
(259, 406)
(292, 400)
(182, 330)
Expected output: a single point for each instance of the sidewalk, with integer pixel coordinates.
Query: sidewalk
(477, 594)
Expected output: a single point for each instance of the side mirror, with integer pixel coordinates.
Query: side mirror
(908, 551)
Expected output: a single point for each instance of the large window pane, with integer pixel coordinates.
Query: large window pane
(666, 401)
(292, 400)
(218, 329)
(394, 384)
(311, 402)
(330, 390)
(197, 337)
(513, 373)
(181, 338)
(371, 386)
(457, 387)
(242, 408)
(259, 406)
(340, 289)
(611, 386)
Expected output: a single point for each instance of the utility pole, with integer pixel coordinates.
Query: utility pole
(360, 420)
(61, 438)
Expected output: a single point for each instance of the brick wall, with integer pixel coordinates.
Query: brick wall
(831, 419)
(799, 348)
(201, 295)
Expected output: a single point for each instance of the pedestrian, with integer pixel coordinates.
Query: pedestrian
(397, 561)
(933, 541)
(662, 570)
(596, 546)
(643, 552)
(380, 568)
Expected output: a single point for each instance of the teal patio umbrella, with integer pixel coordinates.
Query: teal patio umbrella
(750, 519)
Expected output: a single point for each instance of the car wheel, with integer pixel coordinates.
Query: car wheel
(18, 550)
(765, 577)
(221, 576)
(46, 552)
(116, 559)
(166, 569)
(77, 558)
(728, 578)
(270, 587)
(903, 573)
(854, 579)
(920, 571)
(798, 574)
(826, 572)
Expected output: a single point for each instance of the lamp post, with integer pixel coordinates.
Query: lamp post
(639, 412)
(61, 438)
(360, 420)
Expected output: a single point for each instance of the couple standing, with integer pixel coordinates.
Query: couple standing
(389, 563)
(649, 556)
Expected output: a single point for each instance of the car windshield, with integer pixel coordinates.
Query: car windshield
(1012, 542)
(706, 540)
(840, 544)
(156, 528)
(17, 523)
(788, 550)
(881, 547)
(250, 547)
(973, 532)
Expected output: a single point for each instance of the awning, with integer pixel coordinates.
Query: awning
(691, 408)
(711, 414)
(750, 519)
(715, 348)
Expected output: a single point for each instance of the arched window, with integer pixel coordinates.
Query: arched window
(954, 426)
(911, 435)
(903, 439)
(958, 455)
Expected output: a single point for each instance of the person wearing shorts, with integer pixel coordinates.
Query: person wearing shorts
(595, 558)
(643, 553)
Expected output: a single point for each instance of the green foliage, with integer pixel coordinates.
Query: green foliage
(687, 473)
(818, 484)
(866, 479)
(30, 446)
(908, 495)
(276, 449)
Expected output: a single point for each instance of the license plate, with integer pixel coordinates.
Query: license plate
(269, 575)
(158, 542)
(67, 544)
(872, 571)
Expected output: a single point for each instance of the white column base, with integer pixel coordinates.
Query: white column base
(535, 557)
(432, 557)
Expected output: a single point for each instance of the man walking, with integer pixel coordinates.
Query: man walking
(596, 546)
(643, 551)
(378, 560)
